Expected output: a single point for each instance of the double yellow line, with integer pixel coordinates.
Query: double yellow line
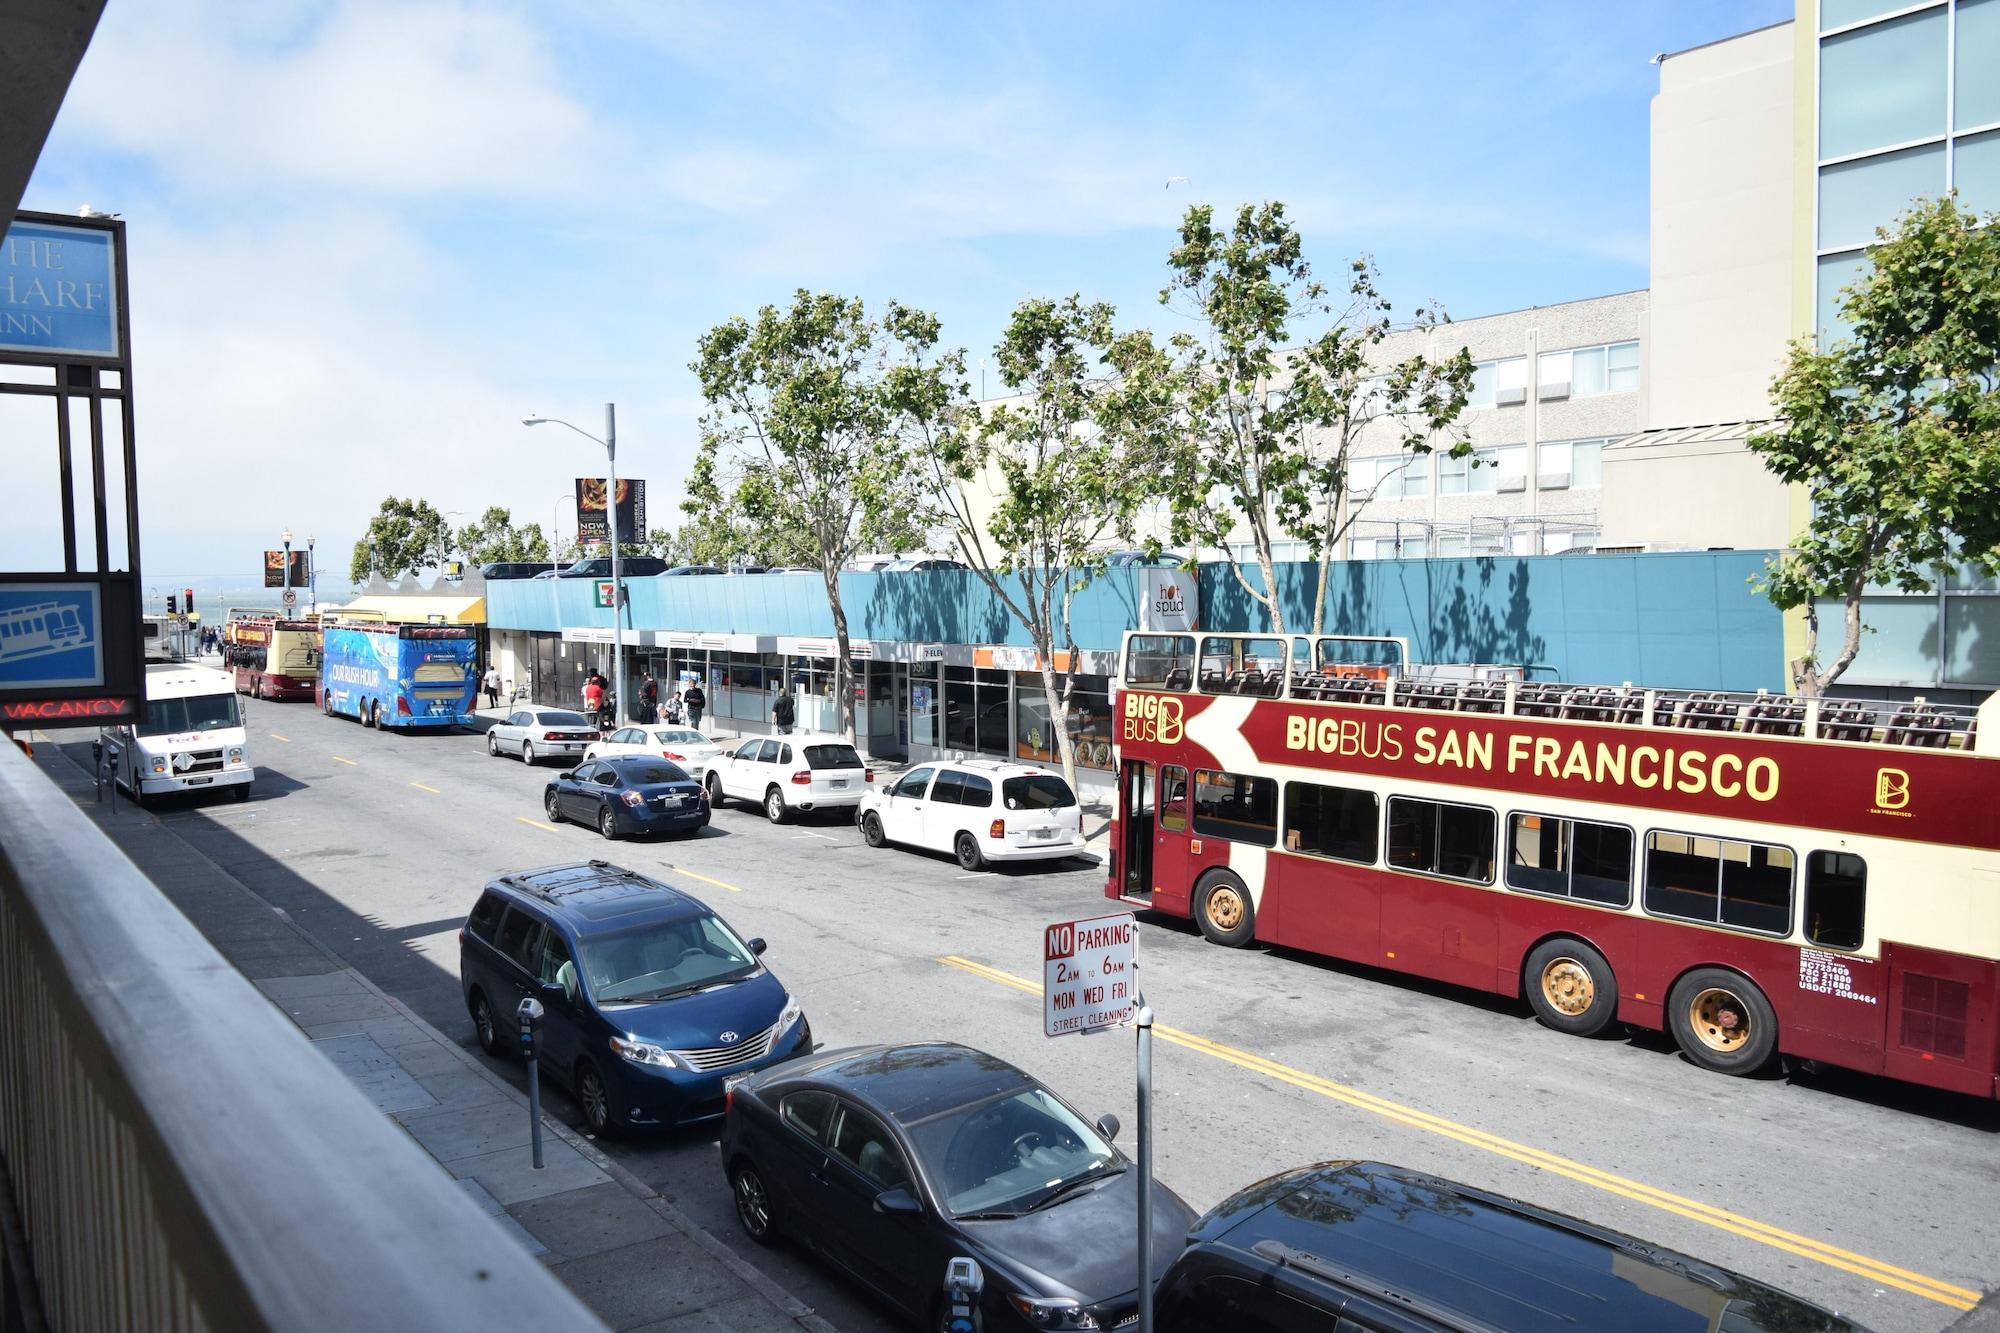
(1805, 1247)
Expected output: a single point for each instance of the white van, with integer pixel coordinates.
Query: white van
(979, 810)
(190, 739)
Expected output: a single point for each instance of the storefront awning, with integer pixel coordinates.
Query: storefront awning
(414, 609)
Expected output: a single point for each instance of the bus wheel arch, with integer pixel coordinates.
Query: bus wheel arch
(1570, 985)
(1722, 1020)
(1223, 910)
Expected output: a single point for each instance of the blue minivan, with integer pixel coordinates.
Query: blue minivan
(650, 1000)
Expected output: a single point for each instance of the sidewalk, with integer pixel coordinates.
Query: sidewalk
(627, 1253)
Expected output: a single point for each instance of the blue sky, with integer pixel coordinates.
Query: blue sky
(366, 238)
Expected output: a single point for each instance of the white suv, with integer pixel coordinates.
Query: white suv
(787, 773)
(979, 811)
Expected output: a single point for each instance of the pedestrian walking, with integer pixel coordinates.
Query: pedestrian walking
(674, 708)
(783, 711)
(492, 686)
(649, 700)
(696, 702)
(593, 697)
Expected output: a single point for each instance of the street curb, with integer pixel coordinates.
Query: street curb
(746, 1272)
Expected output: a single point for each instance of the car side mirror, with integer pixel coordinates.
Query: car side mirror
(571, 774)
(757, 946)
(897, 1203)
(1107, 1125)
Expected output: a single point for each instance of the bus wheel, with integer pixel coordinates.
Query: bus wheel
(1722, 1022)
(1222, 909)
(1571, 988)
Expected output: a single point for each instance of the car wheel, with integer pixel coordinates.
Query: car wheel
(967, 848)
(1223, 910)
(1570, 987)
(595, 1100)
(607, 824)
(527, 752)
(242, 792)
(1722, 1022)
(871, 830)
(715, 797)
(753, 1204)
(375, 716)
(553, 804)
(774, 806)
(486, 1028)
(326, 704)
(492, 745)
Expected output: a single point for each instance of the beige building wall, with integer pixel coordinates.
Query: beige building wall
(1723, 263)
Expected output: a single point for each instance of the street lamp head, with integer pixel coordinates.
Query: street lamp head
(534, 421)
(286, 536)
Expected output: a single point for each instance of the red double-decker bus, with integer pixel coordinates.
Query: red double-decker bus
(272, 658)
(1754, 874)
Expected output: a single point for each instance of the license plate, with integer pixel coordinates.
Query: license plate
(672, 800)
(731, 1080)
(836, 782)
(1043, 834)
(197, 782)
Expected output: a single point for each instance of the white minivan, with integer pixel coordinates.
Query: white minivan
(979, 810)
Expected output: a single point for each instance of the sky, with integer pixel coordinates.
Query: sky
(365, 239)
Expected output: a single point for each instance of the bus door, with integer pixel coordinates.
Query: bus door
(1135, 829)
(1172, 857)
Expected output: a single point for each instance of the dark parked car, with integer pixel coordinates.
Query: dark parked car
(1368, 1248)
(630, 566)
(515, 569)
(628, 794)
(1164, 560)
(650, 1000)
(680, 570)
(892, 1160)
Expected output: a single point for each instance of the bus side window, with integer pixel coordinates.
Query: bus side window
(1836, 899)
(1173, 798)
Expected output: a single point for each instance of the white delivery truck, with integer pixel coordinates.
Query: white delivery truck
(190, 737)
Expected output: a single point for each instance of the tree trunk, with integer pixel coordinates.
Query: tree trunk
(843, 669)
(1850, 642)
(1270, 572)
(1058, 703)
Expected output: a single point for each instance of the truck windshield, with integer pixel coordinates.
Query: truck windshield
(199, 712)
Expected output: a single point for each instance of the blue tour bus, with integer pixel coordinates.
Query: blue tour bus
(400, 675)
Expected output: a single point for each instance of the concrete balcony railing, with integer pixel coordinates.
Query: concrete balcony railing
(176, 1155)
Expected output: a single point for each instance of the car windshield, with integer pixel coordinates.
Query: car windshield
(1043, 791)
(199, 712)
(653, 962)
(558, 718)
(1010, 1154)
(832, 756)
(680, 736)
(645, 775)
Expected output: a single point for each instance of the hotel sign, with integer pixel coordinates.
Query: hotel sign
(59, 290)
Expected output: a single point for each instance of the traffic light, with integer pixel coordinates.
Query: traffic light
(173, 604)
(187, 600)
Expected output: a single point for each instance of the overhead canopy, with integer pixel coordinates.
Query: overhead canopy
(413, 609)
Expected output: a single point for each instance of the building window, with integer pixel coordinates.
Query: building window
(1975, 90)
(1744, 885)
(1337, 822)
(1392, 548)
(1570, 858)
(1389, 477)
(1452, 474)
(1089, 721)
(1236, 807)
(1499, 383)
(1836, 899)
(1502, 469)
(1882, 85)
(1438, 839)
(1857, 197)
(1582, 539)
(1589, 371)
(1837, 272)
(1975, 166)
(1571, 465)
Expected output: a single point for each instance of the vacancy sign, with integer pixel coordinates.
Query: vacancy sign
(1090, 974)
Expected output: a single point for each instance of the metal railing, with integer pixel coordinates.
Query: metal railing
(180, 1158)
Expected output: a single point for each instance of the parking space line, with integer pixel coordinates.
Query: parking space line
(349, 762)
(276, 737)
(1805, 1247)
(695, 874)
(432, 790)
(536, 822)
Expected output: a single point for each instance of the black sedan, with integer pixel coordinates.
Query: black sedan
(892, 1160)
(628, 794)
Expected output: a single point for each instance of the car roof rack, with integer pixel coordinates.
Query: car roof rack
(524, 881)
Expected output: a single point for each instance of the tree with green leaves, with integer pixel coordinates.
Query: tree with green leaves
(795, 442)
(494, 537)
(1894, 430)
(404, 537)
(1065, 470)
(1272, 410)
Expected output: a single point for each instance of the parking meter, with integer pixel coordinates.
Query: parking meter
(963, 1281)
(530, 1014)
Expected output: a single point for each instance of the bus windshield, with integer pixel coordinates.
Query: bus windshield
(198, 712)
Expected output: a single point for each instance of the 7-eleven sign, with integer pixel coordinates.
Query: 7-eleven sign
(604, 597)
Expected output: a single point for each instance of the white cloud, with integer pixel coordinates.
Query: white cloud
(416, 98)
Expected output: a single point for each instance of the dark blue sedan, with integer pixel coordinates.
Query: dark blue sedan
(628, 794)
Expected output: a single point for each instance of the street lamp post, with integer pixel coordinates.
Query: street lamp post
(312, 575)
(610, 443)
(285, 598)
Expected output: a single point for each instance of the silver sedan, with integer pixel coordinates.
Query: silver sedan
(534, 732)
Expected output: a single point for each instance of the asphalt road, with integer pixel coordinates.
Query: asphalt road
(1865, 1195)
